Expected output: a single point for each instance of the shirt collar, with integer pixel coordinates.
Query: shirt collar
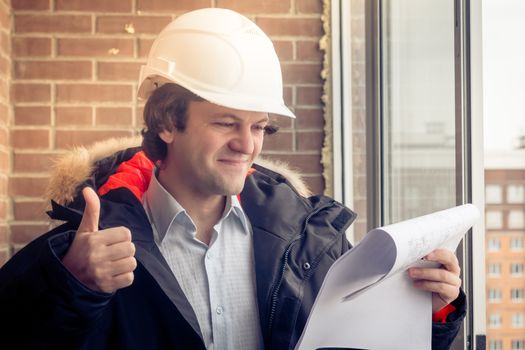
(162, 208)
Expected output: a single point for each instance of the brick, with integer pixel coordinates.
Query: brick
(141, 25)
(171, 6)
(71, 138)
(3, 217)
(309, 6)
(314, 183)
(4, 236)
(93, 5)
(25, 233)
(30, 139)
(30, 92)
(302, 73)
(288, 96)
(4, 90)
(52, 23)
(31, 5)
(4, 255)
(284, 50)
(73, 116)
(93, 93)
(90, 47)
(5, 20)
(27, 186)
(309, 118)
(30, 210)
(256, 7)
(4, 134)
(310, 141)
(291, 26)
(113, 116)
(309, 95)
(33, 162)
(3, 184)
(4, 160)
(280, 141)
(144, 47)
(4, 66)
(32, 115)
(309, 51)
(3, 114)
(33, 47)
(5, 43)
(118, 71)
(282, 122)
(66, 70)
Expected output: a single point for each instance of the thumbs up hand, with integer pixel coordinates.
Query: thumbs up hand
(102, 260)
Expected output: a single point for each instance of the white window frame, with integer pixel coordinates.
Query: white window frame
(474, 266)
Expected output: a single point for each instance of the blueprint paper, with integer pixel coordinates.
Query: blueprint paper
(367, 300)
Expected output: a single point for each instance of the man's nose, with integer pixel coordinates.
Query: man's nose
(243, 141)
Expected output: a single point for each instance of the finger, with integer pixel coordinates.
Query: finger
(91, 214)
(121, 250)
(446, 258)
(115, 235)
(445, 291)
(123, 266)
(123, 280)
(435, 275)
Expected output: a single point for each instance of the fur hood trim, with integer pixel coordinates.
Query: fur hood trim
(74, 168)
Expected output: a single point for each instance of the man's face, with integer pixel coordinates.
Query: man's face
(216, 149)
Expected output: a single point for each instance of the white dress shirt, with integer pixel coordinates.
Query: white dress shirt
(218, 280)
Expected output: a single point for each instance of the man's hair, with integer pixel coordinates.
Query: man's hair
(166, 109)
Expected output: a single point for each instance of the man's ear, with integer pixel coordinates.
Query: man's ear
(166, 136)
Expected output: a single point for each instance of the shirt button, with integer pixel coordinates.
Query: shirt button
(219, 310)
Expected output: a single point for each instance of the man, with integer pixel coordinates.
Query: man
(185, 242)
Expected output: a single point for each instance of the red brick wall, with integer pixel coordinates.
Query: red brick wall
(5, 65)
(75, 69)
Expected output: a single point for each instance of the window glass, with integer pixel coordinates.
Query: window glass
(418, 109)
(495, 344)
(516, 269)
(516, 244)
(518, 344)
(494, 295)
(516, 194)
(494, 245)
(518, 320)
(516, 219)
(494, 270)
(493, 194)
(495, 321)
(494, 219)
(516, 295)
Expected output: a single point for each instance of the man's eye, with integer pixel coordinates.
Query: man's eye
(259, 127)
(225, 125)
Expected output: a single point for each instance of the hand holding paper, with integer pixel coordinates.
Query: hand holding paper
(367, 290)
(443, 281)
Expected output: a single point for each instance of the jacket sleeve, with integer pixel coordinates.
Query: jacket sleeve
(443, 334)
(43, 304)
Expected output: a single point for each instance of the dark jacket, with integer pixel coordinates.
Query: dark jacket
(296, 239)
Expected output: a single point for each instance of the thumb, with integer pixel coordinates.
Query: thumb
(91, 215)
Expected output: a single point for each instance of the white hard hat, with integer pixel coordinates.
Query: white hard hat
(220, 56)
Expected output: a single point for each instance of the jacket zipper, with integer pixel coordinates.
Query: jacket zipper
(277, 286)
